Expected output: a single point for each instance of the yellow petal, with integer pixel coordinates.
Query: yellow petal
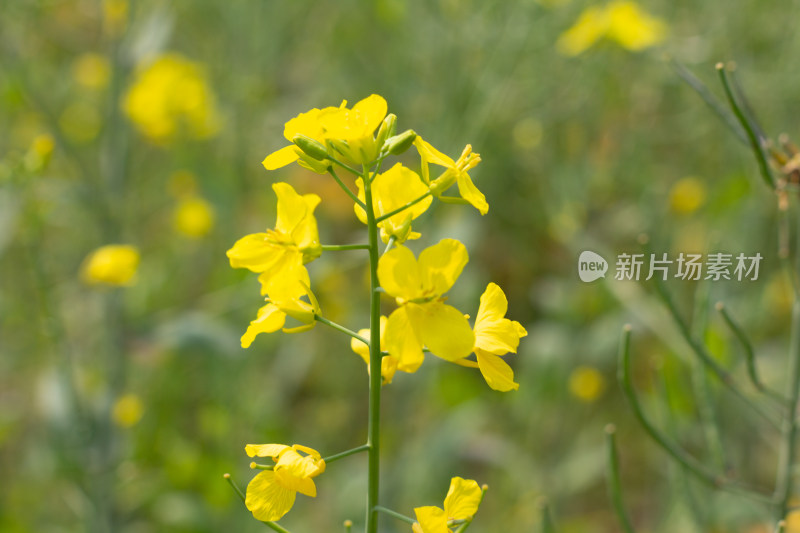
(633, 28)
(292, 208)
(255, 252)
(285, 279)
(281, 158)
(431, 155)
(294, 471)
(360, 213)
(470, 193)
(592, 25)
(371, 111)
(496, 372)
(402, 341)
(399, 274)
(463, 498)
(394, 189)
(267, 499)
(270, 319)
(440, 265)
(305, 124)
(493, 332)
(265, 450)
(311, 452)
(431, 520)
(442, 328)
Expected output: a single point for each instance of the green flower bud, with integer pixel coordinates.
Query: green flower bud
(310, 147)
(400, 143)
(387, 129)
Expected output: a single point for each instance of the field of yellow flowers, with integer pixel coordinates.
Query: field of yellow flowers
(148, 147)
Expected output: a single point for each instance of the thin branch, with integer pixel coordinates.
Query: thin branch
(340, 247)
(343, 329)
(403, 208)
(788, 451)
(614, 484)
(345, 188)
(342, 455)
(394, 514)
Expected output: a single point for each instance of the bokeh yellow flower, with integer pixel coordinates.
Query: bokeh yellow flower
(392, 190)
(687, 195)
(170, 96)
(193, 217)
(463, 499)
(423, 319)
(127, 410)
(455, 172)
(621, 21)
(271, 494)
(586, 383)
(113, 264)
(92, 71)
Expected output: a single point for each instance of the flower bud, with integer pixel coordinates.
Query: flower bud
(387, 129)
(400, 143)
(311, 147)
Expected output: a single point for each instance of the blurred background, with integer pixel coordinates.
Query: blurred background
(144, 123)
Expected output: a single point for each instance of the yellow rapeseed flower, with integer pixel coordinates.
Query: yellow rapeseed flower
(284, 300)
(127, 410)
(462, 502)
(271, 494)
(113, 264)
(193, 217)
(392, 190)
(280, 253)
(171, 95)
(423, 319)
(687, 195)
(455, 172)
(621, 21)
(388, 362)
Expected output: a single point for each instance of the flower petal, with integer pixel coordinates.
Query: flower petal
(402, 341)
(470, 193)
(463, 498)
(399, 274)
(267, 499)
(270, 319)
(442, 328)
(265, 450)
(493, 332)
(431, 519)
(440, 265)
(281, 158)
(496, 372)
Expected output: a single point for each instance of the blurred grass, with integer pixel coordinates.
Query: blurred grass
(578, 153)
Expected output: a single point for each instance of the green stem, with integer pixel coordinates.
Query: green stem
(755, 145)
(373, 428)
(788, 451)
(345, 188)
(546, 518)
(749, 354)
(389, 244)
(272, 525)
(687, 461)
(403, 208)
(453, 200)
(700, 351)
(394, 514)
(346, 167)
(342, 455)
(341, 328)
(340, 247)
(614, 484)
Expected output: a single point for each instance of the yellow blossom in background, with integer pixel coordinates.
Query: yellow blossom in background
(392, 190)
(115, 15)
(455, 172)
(182, 183)
(687, 195)
(388, 362)
(423, 319)
(271, 494)
(41, 150)
(193, 217)
(113, 264)
(92, 71)
(169, 96)
(586, 383)
(127, 410)
(621, 21)
(280, 253)
(496, 335)
(81, 122)
(463, 499)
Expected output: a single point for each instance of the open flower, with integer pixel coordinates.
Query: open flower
(455, 172)
(271, 493)
(462, 502)
(283, 301)
(392, 190)
(423, 319)
(307, 124)
(496, 335)
(280, 253)
(388, 362)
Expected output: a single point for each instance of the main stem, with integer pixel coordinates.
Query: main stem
(789, 441)
(374, 427)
